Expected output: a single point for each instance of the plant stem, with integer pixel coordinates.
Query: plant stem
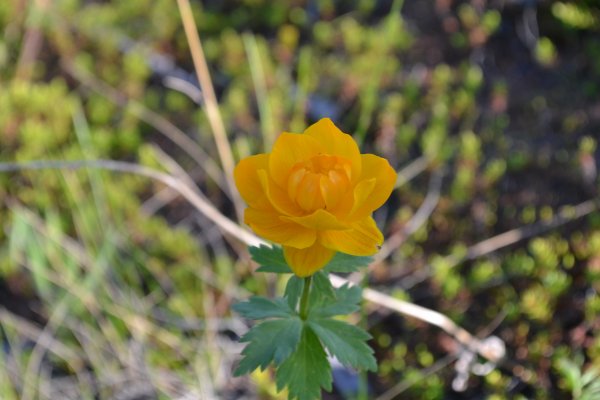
(363, 385)
(304, 298)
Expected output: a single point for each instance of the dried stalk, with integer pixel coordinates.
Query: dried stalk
(491, 348)
(211, 105)
(481, 347)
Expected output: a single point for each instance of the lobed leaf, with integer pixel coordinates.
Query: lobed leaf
(293, 291)
(346, 342)
(343, 263)
(347, 300)
(307, 370)
(270, 341)
(270, 259)
(322, 287)
(258, 307)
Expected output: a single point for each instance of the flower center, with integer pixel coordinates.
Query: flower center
(319, 183)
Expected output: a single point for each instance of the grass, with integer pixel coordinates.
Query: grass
(117, 276)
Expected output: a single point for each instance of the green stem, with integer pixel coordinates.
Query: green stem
(304, 298)
(362, 378)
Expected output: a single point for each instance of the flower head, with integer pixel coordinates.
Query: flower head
(314, 194)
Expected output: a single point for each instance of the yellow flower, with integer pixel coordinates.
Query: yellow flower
(314, 194)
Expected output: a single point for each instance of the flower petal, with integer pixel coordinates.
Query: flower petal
(247, 180)
(319, 220)
(363, 239)
(271, 226)
(385, 178)
(337, 143)
(330, 192)
(305, 262)
(359, 195)
(288, 150)
(277, 197)
(309, 196)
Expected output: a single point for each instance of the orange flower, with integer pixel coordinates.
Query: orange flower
(314, 195)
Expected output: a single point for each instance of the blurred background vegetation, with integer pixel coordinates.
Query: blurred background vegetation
(114, 287)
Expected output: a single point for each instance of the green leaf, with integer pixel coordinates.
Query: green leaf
(269, 341)
(307, 370)
(347, 300)
(322, 286)
(342, 263)
(270, 259)
(591, 375)
(346, 342)
(258, 307)
(293, 291)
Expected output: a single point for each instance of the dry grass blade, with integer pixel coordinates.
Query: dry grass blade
(32, 41)
(32, 332)
(486, 350)
(435, 318)
(420, 217)
(260, 89)
(508, 238)
(567, 214)
(196, 199)
(162, 125)
(413, 169)
(211, 106)
(405, 384)
(249, 238)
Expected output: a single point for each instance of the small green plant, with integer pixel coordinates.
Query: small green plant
(296, 329)
(314, 195)
(584, 385)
